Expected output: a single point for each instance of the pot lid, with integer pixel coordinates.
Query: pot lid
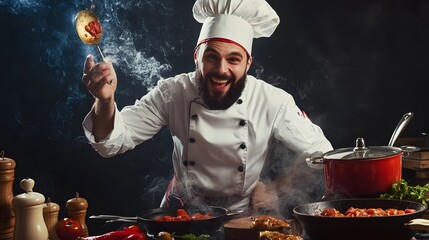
(362, 152)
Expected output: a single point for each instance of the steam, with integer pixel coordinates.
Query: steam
(140, 47)
(138, 59)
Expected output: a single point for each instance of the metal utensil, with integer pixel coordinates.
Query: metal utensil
(85, 20)
(406, 118)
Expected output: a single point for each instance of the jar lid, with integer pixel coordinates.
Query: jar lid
(76, 204)
(6, 163)
(361, 152)
(50, 207)
(29, 198)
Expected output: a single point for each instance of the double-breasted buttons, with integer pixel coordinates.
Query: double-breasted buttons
(243, 146)
(242, 122)
(240, 168)
(188, 163)
(191, 140)
(239, 101)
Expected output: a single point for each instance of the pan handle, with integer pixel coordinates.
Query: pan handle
(230, 214)
(418, 224)
(113, 217)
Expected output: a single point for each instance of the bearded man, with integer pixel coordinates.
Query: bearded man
(222, 120)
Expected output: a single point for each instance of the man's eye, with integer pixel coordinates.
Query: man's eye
(211, 57)
(234, 60)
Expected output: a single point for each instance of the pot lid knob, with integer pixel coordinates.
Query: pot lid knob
(360, 145)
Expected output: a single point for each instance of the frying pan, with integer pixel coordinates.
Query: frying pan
(147, 220)
(384, 227)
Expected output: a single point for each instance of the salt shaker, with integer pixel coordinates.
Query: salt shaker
(28, 208)
(50, 215)
(76, 208)
(7, 216)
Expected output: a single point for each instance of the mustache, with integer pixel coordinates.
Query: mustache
(221, 76)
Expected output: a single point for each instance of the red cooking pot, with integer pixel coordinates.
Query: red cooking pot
(361, 172)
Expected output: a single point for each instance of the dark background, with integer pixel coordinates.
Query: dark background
(355, 67)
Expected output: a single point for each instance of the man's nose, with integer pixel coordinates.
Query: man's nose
(223, 66)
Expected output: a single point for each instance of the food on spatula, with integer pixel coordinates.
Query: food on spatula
(274, 235)
(88, 27)
(268, 223)
(94, 28)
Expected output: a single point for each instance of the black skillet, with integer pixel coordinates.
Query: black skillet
(350, 228)
(147, 220)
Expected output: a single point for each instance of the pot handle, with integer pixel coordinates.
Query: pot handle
(315, 160)
(418, 224)
(409, 149)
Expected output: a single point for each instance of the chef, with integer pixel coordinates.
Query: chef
(222, 121)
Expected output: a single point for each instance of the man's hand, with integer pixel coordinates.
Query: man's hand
(264, 198)
(100, 79)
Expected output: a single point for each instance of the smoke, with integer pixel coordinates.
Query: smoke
(140, 37)
(128, 39)
(294, 181)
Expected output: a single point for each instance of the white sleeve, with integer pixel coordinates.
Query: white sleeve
(132, 126)
(113, 142)
(296, 131)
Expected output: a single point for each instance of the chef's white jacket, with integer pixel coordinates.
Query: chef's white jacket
(217, 153)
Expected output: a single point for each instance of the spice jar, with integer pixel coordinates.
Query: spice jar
(76, 208)
(7, 216)
(28, 209)
(50, 215)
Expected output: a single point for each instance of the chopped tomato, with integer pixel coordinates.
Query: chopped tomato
(364, 212)
(93, 28)
(183, 215)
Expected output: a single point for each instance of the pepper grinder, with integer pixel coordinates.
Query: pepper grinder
(7, 216)
(76, 208)
(28, 209)
(50, 215)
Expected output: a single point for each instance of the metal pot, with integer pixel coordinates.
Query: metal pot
(398, 227)
(361, 171)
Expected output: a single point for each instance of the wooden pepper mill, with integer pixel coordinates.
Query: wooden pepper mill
(50, 215)
(76, 208)
(7, 215)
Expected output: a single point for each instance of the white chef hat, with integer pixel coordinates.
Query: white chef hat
(237, 21)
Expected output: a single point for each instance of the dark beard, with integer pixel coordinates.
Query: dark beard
(225, 102)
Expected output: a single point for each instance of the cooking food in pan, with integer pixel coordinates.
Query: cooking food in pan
(364, 212)
(183, 215)
(274, 235)
(357, 228)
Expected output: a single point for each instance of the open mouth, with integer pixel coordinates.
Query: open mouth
(219, 85)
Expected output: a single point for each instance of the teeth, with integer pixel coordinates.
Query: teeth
(220, 81)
